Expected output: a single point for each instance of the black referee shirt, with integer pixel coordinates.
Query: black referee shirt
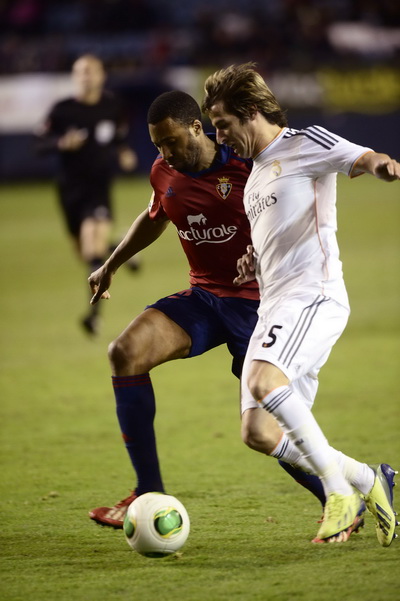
(106, 128)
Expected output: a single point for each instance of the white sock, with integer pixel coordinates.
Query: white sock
(359, 475)
(301, 428)
(286, 451)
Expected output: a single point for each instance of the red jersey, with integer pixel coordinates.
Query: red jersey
(207, 210)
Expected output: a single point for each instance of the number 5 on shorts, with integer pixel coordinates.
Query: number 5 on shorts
(272, 336)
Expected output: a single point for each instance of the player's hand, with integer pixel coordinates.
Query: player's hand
(127, 159)
(387, 169)
(72, 140)
(246, 267)
(99, 282)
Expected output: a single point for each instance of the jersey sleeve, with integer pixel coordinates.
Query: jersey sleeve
(156, 209)
(323, 152)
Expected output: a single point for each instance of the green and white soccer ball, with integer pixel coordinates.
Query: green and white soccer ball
(156, 525)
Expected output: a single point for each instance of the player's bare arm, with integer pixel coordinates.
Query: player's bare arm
(72, 140)
(378, 164)
(246, 267)
(143, 232)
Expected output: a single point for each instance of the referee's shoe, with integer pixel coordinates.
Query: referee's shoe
(91, 324)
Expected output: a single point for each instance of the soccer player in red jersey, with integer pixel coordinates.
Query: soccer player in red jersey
(198, 186)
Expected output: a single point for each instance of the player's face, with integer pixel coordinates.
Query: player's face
(231, 131)
(88, 75)
(177, 143)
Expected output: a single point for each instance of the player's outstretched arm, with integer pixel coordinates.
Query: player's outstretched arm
(246, 267)
(143, 232)
(378, 164)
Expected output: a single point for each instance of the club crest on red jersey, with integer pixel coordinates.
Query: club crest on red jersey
(224, 187)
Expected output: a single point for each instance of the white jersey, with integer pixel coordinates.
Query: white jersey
(290, 201)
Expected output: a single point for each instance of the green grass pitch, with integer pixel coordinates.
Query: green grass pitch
(61, 452)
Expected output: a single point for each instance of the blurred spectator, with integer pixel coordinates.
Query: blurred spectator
(23, 16)
(44, 35)
(120, 16)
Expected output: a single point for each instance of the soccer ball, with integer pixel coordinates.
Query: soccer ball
(156, 524)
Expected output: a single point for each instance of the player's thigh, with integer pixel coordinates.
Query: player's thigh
(263, 377)
(298, 334)
(195, 311)
(258, 377)
(247, 400)
(149, 340)
(296, 337)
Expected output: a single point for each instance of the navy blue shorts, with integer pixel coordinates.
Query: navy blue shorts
(211, 321)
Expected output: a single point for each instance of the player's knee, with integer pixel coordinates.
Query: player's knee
(264, 378)
(257, 439)
(121, 356)
(258, 387)
(248, 437)
(130, 355)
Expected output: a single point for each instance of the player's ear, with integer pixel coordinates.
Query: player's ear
(253, 112)
(197, 127)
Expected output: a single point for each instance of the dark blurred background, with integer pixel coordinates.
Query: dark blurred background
(331, 62)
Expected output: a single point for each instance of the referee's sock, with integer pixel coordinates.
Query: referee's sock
(136, 410)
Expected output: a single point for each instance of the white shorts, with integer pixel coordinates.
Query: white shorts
(296, 335)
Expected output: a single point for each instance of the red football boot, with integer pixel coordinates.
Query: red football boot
(113, 516)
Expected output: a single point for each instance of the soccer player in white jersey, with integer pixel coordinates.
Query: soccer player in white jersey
(290, 200)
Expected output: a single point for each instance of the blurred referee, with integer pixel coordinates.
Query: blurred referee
(88, 131)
